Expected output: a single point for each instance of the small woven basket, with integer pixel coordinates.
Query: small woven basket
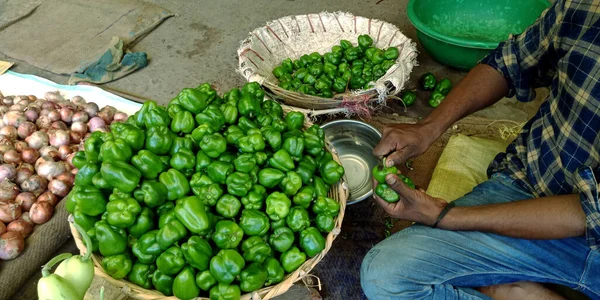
(294, 36)
(338, 192)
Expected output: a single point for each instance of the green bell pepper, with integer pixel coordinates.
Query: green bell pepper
(177, 184)
(352, 54)
(386, 193)
(218, 171)
(101, 183)
(197, 252)
(92, 145)
(254, 89)
(306, 168)
(228, 206)
(143, 223)
(223, 291)
(278, 206)
(83, 220)
(151, 192)
(111, 240)
(213, 145)
(369, 52)
(184, 285)
(292, 259)
(249, 105)
(226, 265)
(227, 235)
(253, 277)
(380, 172)
(269, 177)
(171, 261)
(213, 116)
(209, 194)
(428, 81)
(251, 143)
(230, 113)
(274, 270)
(294, 146)
(356, 82)
(278, 71)
(163, 283)
(244, 162)
(79, 160)
(365, 41)
(314, 140)
(205, 280)
(277, 224)
(407, 180)
(282, 239)
(255, 197)
(324, 222)
(331, 172)
(170, 233)
(196, 100)
(391, 53)
(304, 197)
(291, 183)
(89, 200)
(444, 86)
(191, 213)
(312, 241)
(202, 161)
(321, 188)
(272, 108)
(156, 116)
(409, 97)
(282, 161)
(146, 248)
(148, 163)
(227, 157)
(308, 89)
(141, 275)
(117, 266)
(133, 136)
(183, 121)
(325, 205)
(159, 140)
(435, 99)
(315, 70)
(254, 222)
(255, 249)
(345, 44)
(339, 85)
(184, 161)
(238, 184)
(202, 130)
(287, 65)
(122, 213)
(272, 137)
(294, 120)
(378, 57)
(298, 219)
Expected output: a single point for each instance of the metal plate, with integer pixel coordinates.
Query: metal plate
(354, 142)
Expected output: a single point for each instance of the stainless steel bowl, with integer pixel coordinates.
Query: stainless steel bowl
(354, 142)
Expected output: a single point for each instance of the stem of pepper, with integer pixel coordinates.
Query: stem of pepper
(48, 266)
(87, 240)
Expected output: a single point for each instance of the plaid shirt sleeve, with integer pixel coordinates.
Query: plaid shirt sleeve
(525, 60)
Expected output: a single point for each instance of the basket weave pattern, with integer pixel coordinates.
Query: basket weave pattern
(294, 36)
(338, 192)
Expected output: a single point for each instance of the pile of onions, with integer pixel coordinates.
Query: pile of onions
(38, 138)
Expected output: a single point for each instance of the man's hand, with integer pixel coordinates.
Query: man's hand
(414, 205)
(401, 142)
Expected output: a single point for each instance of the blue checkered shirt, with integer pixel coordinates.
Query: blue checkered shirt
(558, 150)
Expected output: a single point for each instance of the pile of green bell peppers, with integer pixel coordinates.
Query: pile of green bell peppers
(345, 67)
(211, 195)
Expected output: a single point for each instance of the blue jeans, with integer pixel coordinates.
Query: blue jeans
(426, 263)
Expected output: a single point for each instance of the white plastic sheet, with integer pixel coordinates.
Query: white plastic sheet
(12, 83)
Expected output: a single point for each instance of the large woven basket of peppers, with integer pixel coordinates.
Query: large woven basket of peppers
(225, 197)
(328, 60)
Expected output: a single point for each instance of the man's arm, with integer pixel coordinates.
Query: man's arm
(552, 217)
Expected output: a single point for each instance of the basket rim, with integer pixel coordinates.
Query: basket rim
(341, 194)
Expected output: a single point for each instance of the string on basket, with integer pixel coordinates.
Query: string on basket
(359, 105)
(305, 277)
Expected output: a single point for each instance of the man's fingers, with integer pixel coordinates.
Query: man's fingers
(383, 148)
(397, 157)
(399, 186)
(387, 206)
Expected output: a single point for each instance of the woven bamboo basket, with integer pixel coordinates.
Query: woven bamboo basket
(294, 36)
(338, 192)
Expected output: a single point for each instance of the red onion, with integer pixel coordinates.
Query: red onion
(66, 114)
(41, 212)
(14, 118)
(21, 226)
(29, 155)
(23, 102)
(12, 157)
(59, 125)
(64, 151)
(37, 139)
(67, 178)
(49, 170)
(79, 127)
(44, 113)
(54, 115)
(20, 145)
(26, 200)
(107, 113)
(3, 110)
(27, 166)
(9, 211)
(78, 100)
(53, 96)
(7, 171)
(91, 109)
(49, 105)
(76, 137)
(59, 137)
(16, 107)
(95, 123)
(47, 151)
(32, 97)
(80, 116)
(2, 226)
(11, 245)
(25, 129)
(43, 122)
(8, 191)
(22, 175)
(120, 117)
(9, 131)
(48, 196)
(34, 184)
(7, 101)
(58, 188)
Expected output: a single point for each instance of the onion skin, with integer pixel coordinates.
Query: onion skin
(10, 131)
(120, 117)
(66, 114)
(80, 116)
(26, 200)
(37, 140)
(79, 127)
(11, 245)
(91, 109)
(64, 151)
(30, 155)
(35, 185)
(14, 118)
(12, 157)
(8, 191)
(59, 125)
(78, 100)
(67, 178)
(2, 228)
(49, 197)
(96, 123)
(21, 226)
(58, 188)
(32, 114)
(10, 211)
(7, 171)
(41, 212)
(76, 137)
(22, 175)
(20, 145)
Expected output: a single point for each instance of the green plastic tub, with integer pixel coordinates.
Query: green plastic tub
(459, 33)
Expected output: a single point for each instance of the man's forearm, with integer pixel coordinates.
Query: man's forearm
(552, 217)
(482, 87)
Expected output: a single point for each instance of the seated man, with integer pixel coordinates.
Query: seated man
(537, 219)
